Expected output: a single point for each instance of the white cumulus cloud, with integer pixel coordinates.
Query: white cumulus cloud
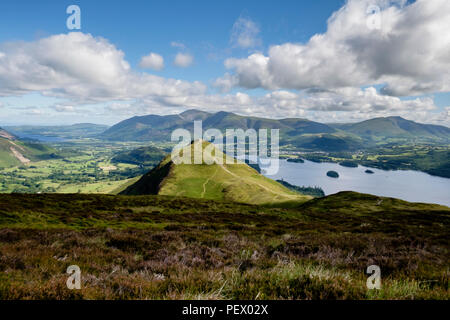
(82, 68)
(408, 54)
(152, 61)
(90, 73)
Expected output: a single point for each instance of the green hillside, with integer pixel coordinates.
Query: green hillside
(326, 141)
(14, 152)
(7, 158)
(143, 156)
(146, 128)
(360, 204)
(232, 182)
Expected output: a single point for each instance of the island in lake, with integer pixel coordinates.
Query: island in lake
(333, 174)
(297, 160)
(349, 164)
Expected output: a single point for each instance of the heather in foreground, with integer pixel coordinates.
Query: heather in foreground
(155, 247)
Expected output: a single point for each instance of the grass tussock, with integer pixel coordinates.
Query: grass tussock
(157, 247)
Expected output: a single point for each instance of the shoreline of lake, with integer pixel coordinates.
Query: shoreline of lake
(409, 185)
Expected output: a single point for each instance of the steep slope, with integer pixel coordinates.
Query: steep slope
(236, 182)
(6, 135)
(10, 151)
(14, 152)
(7, 156)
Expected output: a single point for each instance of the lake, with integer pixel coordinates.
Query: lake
(413, 186)
(40, 137)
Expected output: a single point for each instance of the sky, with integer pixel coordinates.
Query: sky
(324, 60)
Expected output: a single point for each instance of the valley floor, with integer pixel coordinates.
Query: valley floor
(156, 247)
(83, 167)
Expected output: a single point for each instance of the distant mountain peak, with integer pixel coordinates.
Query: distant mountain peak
(191, 111)
(224, 112)
(397, 118)
(399, 127)
(194, 114)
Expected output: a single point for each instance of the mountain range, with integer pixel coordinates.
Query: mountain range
(300, 133)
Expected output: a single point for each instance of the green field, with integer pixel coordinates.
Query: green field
(92, 166)
(84, 167)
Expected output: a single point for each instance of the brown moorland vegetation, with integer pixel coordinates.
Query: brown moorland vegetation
(156, 247)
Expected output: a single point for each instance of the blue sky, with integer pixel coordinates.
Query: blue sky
(207, 31)
(137, 27)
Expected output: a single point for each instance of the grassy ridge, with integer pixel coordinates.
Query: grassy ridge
(236, 182)
(156, 247)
